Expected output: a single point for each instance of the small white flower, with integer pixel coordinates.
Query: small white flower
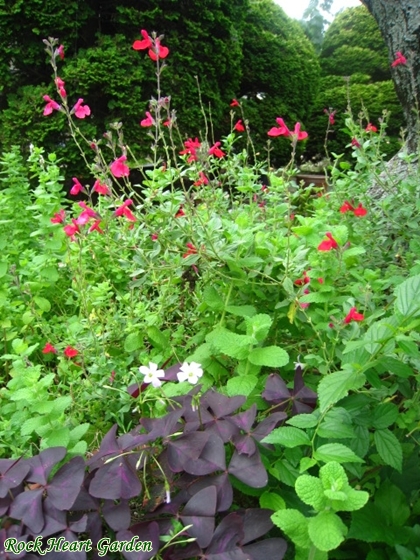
(152, 374)
(190, 372)
(168, 497)
(299, 363)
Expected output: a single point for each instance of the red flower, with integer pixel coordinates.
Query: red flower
(60, 85)
(321, 280)
(281, 130)
(202, 180)
(180, 213)
(79, 110)
(360, 211)
(331, 115)
(86, 215)
(50, 106)
(298, 134)
(355, 143)
(58, 218)
(399, 59)
(190, 148)
(239, 127)
(60, 52)
(216, 151)
(353, 315)
(235, 103)
(148, 121)
(70, 352)
(154, 237)
(347, 207)
(304, 280)
(371, 128)
(49, 349)
(156, 50)
(124, 211)
(191, 251)
(77, 187)
(101, 188)
(95, 226)
(118, 168)
(167, 123)
(328, 244)
(72, 229)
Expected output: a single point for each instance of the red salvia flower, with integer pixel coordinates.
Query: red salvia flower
(77, 187)
(355, 143)
(191, 251)
(281, 130)
(59, 217)
(156, 50)
(202, 180)
(360, 211)
(71, 229)
(371, 128)
(118, 168)
(353, 315)
(101, 188)
(235, 103)
(239, 127)
(124, 211)
(49, 349)
(95, 226)
(180, 213)
(190, 149)
(216, 151)
(60, 52)
(347, 207)
(70, 352)
(328, 244)
(399, 59)
(50, 106)
(80, 111)
(148, 121)
(60, 86)
(304, 280)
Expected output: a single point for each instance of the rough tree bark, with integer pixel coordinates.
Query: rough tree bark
(399, 23)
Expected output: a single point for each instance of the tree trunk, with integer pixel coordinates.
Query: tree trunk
(399, 23)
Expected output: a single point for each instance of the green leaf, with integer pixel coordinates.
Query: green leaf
(336, 452)
(306, 463)
(393, 504)
(270, 356)
(213, 299)
(258, 326)
(310, 490)
(398, 368)
(42, 303)
(333, 387)
(242, 385)
(31, 425)
(229, 343)
(294, 524)
(58, 437)
(288, 436)
(78, 432)
(326, 531)
(50, 273)
(384, 415)
(303, 420)
(408, 297)
(271, 500)
(380, 336)
(241, 310)
(389, 448)
(158, 339)
(133, 342)
(315, 297)
(3, 268)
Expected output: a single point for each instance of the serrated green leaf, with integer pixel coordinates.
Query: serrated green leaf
(389, 448)
(78, 432)
(158, 339)
(229, 343)
(31, 425)
(333, 387)
(313, 553)
(133, 342)
(258, 326)
(326, 531)
(408, 297)
(337, 430)
(380, 336)
(333, 475)
(398, 368)
(60, 437)
(242, 385)
(288, 436)
(315, 297)
(3, 268)
(294, 524)
(50, 272)
(241, 310)
(213, 299)
(270, 356)
(393, 504)
(271, 500)
(384, 415)
(288, 286)
(306, 463)
(310, 491)
(303, 420)
(336, 452)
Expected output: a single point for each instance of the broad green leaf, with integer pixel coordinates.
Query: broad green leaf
(310, 490)
(380, 336)
(333, 475)
(159, 340)
(42, 303)
(333, 387)
(397, 367)
(408, 346)
(58, 437)
(230, 343)
(78, 432)
(50, 272)
(213, 299)
(331, 429)
(389, 448)
(271, 500)
(270, 356)
(312, 553)
(241, 310)
(336, 452)
(408, 297)
(326, 531)
(31, 425)
(3, 268)
(294, 524)
(369, 525)
(384, 415)
(315, 297)
(133, 342)
(241, 385)
(393, 504)
(303, 420)
(288, 436)
(258, 326)
(355, 499)
(306, 463)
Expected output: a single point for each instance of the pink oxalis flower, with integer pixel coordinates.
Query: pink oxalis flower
(399, 59)
(118, 168)
(81, 111)
(353, 315)
(328, 244)
(50, 106)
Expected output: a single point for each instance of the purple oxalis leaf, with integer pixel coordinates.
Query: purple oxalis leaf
(276, 390)
(146, 532)
(266, 549)
(42, 464)
(249, 470)
(12, 473)
(223, 486)
(268, 424)
(27, 507)
(66, 484)
(118, 516)
(220, 404)
(199, 512)
(256, 522)
(116, 480)
(227, 535)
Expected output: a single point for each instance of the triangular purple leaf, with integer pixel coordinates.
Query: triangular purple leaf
(199, 512)
(257, 522)
(118, 516)
(108, 448)
(266, 549)
(146, 532)
(43, 463)
(27, 507)
(227, 535)
(212, 458)
(116, 480)
(186, 448)
(223, 486)
(245, 420)
(249, 470)
(66, 484)
(268, 424)
(162, 427)
(276, 390)
(66, 554)
(12, 473)
(220, 404)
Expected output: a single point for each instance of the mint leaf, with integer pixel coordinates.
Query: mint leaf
(310, 490)
(294, 524)
(326, 530)
(270, 356)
